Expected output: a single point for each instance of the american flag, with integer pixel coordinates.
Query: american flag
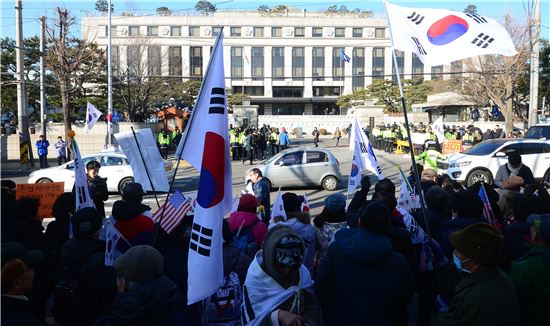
(176, 208)
(487, 210)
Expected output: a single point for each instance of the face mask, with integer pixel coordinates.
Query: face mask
(458, 264)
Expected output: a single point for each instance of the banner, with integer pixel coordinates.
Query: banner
(47, 193)
(451, 146)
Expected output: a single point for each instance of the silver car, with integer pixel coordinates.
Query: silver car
(302, 167)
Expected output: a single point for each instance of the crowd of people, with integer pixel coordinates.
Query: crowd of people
(356, 264)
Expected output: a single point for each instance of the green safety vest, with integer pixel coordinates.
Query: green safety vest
(430, 158)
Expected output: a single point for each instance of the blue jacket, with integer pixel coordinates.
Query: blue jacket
(262, 191)
(283, 139)
(362, 281)
(42, 147)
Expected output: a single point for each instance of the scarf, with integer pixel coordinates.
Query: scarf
(262, 294)
(513, 171)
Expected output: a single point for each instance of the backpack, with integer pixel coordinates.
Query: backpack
(244, 241)
(223, 308)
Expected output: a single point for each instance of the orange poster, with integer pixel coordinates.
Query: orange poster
(451, 146)
(47, 193)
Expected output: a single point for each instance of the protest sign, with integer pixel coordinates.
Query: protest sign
(47, 193)
(451, 146)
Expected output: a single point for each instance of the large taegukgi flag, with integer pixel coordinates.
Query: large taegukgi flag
(207, 149)
(440, 36)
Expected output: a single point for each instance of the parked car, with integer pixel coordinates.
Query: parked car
(302, 167)
(114, 166)
(540, 131)
(481, 161)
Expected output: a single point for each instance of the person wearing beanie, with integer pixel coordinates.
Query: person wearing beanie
(279, 289)
(331, 219)
(82, 259)
(145, 295)
(481, 293)
(531, 273)
(362, 280)
(300, 222)
(245, 226)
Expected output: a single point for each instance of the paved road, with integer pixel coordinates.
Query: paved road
(187, 178)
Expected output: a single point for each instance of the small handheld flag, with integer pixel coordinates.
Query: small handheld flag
(82, 191)
(354, 179)
(487, 210)
(360, 140)
(176, 208)
(305, 204)
(112, 236)
(278, 207)
(92, 115)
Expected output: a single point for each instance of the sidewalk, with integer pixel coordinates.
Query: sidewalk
(12, 168)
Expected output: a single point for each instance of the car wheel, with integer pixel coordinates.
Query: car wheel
(44, 180)
(479, 175)
(546, 176)
(124, 182)
(330, 183)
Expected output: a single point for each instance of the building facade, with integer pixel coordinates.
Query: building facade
(294, 64)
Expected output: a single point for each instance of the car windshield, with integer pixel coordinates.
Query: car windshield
(537, 132)
(271, 159)
(483, 148)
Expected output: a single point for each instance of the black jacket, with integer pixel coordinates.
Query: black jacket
(453, 225)
(16, 312)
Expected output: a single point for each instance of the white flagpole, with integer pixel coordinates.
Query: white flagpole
(403, 104)
(109, 84)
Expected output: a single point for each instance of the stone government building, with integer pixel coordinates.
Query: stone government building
(289, 65)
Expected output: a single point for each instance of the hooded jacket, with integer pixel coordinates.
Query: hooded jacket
(133, 223)
(248, 220)
(361, 280)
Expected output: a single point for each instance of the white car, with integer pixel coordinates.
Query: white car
(114, 166)
(482, 161)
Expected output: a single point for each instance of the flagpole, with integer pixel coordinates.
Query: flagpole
(184, 136)
(145, 165)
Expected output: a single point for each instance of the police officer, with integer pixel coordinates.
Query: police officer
(430, 156)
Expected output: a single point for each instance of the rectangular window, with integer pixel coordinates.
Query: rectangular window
(437, 72)
(326, 91)
(456, 68)
(258, 32)
(358, 68)
(195, 60)
(113, 31)
(337, 64)
(378, 63)
(357, 32)
(298, 63)
(236, 62)
(340, 32)
(257, 63)
(278, 63)
(153, 60)
(249, 90)
(133, 31)
(380, 33)
(276, 31)
(235, 31)
(283, 91)
(417, 66)
(216, 31)
(115, 60)
(152, 30)
(174, 61)
(194, 31)
(134, 60)
(318, 63)
(299, 32)
(400, 57)
(317, 32)
(175, 31)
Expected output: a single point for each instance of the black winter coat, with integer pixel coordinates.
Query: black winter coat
(16, 312)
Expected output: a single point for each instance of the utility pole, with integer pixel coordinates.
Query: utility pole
(534, 80)
(24, 140)
(43, 117)
(109, 84)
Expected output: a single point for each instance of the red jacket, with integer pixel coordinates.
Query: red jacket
(248, 220)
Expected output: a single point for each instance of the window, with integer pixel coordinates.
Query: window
(134, 60)
(400, 57)
(456, 68)
(195, 61)
(358, 68)
(340, 32)
(236, 62)
(194, 31)
(235, 31)
(316, 157)
(299, 31)
(317, 32)
(276, 31)
(357, 32)
(257, 63)
(258, 32)
(318, 63)
(532, 148)
(153, 60)
(284, 91)
(437, 72)
(115, 60)
(216, 31)
(152, 30)
(325, 109)
(278, 63)
(380, 33)
(133, 31)
(112, 160)
(249, 90)
(378, 63)
(175, 31)
(417, 66)
(326, 91)
(174, 61)
(85, 161)
(298, 64)
(291, 159)
(288, 109)
(337, 64)
(113, 31)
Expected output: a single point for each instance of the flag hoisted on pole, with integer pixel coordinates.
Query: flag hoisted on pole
(439, 130)
(354, 179)
(440, 36)
(82, 191)
(207, 137)
(359, 139)
(92, 115)
(344, 56)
